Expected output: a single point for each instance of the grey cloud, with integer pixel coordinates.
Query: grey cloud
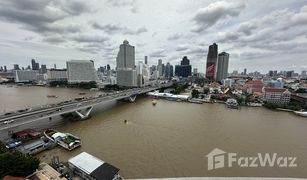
(54, 40)
(132, 4)
(42, 16)
(89, 38)
(215, 12)
(158, 53)
(268, 32)
(88, 50)
(116, 28)
(198, 51)
(174, 37)
(182, 47)
(76, 7)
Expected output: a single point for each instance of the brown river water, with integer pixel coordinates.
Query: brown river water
(170, 139)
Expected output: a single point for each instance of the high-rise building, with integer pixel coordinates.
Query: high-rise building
(43, 69)
(35, 65)
(4, 69)
(303, 74)
(160, 68)
(168, 70)
(171, 71)
(81, 71)
(222, 66)
(289, 73)
(126, 56)
(16, 67)
(146, 59)
(54, 66)
(245, 72)
(126, 73)
(108, 67)
(143, 74)
(195, 70)
(184, 69)
(212, 61)
(1, 68)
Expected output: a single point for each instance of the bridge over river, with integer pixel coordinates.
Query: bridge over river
(79, 106)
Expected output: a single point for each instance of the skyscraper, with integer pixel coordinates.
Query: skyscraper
(146, 60)
(16, 67)
(43, 69)
(4, 68)
(35, 65)
(222, 66)
(126, 56)
(108, 67)
(184, 69)
(160, 68)
(143, 74)
(212, 61)
(168, 70)
(126, 72)
(245, 71)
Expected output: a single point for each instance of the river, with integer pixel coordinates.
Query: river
(171, 139)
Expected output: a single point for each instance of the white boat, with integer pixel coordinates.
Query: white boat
(66, 140)
(301, 113)
(251, 104)
(154, 102)
(232, 103)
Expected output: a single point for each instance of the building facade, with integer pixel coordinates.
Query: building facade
(184, 69)
(276, 95)
(212, 61)
(91, 168)
(22, 76)
(126, 72)
(81, 71)
(143, 74)
(56, 75)
(35, 65)
(253, 86)
(222, 66)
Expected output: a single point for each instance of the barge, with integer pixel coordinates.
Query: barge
(65, 140)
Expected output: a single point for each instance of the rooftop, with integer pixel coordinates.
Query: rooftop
(276, 90)
(86, 162)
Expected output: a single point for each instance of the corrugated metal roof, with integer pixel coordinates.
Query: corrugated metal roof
(86, 162)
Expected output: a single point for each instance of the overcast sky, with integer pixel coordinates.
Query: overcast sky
(259, 35)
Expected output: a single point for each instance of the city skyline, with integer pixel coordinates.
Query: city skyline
(75, 30)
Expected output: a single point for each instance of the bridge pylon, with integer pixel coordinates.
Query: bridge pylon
(132, 98)
(86, 114)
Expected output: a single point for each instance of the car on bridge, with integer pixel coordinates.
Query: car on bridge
(8, 121)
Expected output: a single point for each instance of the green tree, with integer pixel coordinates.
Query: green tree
(195, 93)
(206, 90)
(16, 164)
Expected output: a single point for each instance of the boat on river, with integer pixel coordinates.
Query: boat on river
(66, 140)
(301, 113)
(232, 103)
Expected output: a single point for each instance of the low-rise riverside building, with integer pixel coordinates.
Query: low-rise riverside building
(253, 86)
(91, 168)
(276, 95)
